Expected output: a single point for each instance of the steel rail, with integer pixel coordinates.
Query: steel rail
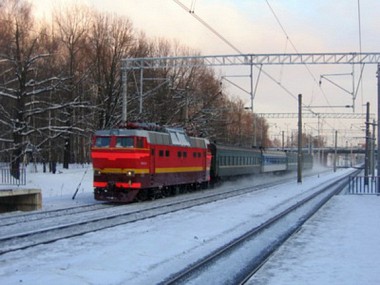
(210, 267)
(119, 216)
(17, 218)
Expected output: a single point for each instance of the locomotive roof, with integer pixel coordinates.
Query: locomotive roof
(121, 132)
(171, 136)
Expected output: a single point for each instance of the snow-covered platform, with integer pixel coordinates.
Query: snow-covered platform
(20, 199)
(339, 245)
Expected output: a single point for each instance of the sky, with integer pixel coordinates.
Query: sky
(269, 26)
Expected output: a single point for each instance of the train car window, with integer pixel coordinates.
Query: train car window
(124, 142)
(161, 153)
(102, 141)
(184, 154)
(167, 153)
(179, 154)
(152, 152)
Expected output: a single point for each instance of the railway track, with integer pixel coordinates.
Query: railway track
(22, 217)
(26, 230)
(237, 261)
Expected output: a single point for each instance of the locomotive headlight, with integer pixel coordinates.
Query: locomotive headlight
(130, 173)
(97, 172)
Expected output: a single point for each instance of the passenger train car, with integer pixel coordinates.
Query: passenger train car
(232, 161)
(145, 161)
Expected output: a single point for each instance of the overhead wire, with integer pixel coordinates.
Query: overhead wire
(192, 6)
(204, 23)
(306, 66)
(360, 50)
(294, 47)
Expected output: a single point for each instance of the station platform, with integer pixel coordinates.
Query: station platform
(20, 199)
(339, 245)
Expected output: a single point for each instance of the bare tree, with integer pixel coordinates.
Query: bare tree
(58, 84)
(73, 26)
(22, 58)
(111, 39)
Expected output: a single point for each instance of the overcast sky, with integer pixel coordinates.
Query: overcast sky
(273, 26)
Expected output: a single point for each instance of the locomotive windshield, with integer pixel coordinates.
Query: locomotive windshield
(102, 141)
(124, 142)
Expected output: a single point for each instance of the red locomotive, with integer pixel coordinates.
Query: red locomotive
(142, 161)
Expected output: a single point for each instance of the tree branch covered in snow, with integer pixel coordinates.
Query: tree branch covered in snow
(60, 81)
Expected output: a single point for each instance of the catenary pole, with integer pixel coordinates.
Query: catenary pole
(367, 139)
(299, 155)
(124, 91)
(378, 127)
(335, 150)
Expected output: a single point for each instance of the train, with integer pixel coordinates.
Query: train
(143, 161)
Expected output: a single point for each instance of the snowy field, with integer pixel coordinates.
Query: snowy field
(58, 189)
(338, 246)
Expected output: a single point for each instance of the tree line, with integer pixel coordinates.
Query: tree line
(61, 80)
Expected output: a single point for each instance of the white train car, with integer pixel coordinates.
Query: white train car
(273, 161)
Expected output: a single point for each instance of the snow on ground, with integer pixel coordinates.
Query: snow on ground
(339, 245)
(58, 189)
(343, 236)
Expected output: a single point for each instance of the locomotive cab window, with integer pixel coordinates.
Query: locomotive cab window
(124, 142)
(139, 142)
(102, 141)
